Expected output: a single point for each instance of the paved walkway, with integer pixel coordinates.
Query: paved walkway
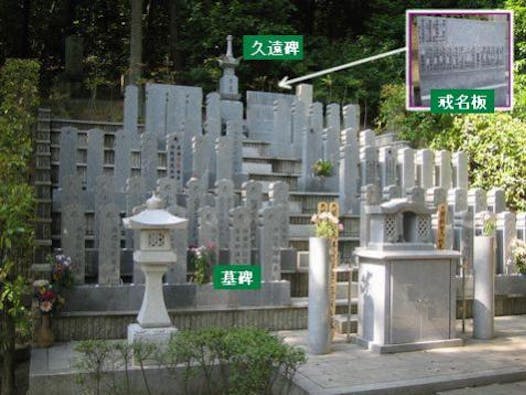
(349, 369)
(494, 389)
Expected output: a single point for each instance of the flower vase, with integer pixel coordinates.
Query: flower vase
(319, 317)
(45, 337)
(484, 287)
(319, 183)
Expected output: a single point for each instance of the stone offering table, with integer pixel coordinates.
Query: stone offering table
(407, 290)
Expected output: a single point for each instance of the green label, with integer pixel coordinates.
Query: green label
(462, 101)
(280, 47)
(237, 277)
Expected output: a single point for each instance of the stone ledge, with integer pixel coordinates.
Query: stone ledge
(128, 297)
(80, 325)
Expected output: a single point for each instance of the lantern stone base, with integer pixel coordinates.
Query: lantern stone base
(158, 336)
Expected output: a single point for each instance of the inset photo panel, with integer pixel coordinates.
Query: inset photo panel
(459, 49)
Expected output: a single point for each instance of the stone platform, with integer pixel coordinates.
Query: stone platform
(349, 369)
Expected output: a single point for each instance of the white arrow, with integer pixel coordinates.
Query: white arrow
(285, 83)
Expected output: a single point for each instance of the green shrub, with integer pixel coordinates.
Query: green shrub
(100, 361)
(249, 360)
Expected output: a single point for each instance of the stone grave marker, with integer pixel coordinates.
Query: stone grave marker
(252, 192)
(460, 169)
(131, 109)
(72, 239)
(109, 245)
(424, 168)
(224, 158)
(506, 233)
(67, 154)
(279, 197)
(239, 229)
(149, 159)
(351, 117)
(269, 235)
(496, 200)
(174, 157)
(281, 141)
(387, 161)
(406, 169)
(349, 177)
(224, 201)
(299, 123)
(443, 172)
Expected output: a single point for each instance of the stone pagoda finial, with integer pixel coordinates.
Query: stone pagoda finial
(228, 84)
(229, 52)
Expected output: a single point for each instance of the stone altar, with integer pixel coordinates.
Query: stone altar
(407, 292)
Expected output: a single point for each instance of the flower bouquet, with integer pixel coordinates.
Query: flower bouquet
(202, 258)
(518, 255)
(61, 271)
(49, 301)
(322, 168)
(326, 225)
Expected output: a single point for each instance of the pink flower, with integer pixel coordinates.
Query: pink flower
(340, 227)
(46, 306)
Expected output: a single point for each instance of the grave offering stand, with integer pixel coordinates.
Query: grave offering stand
(153, 256)
(407, 293)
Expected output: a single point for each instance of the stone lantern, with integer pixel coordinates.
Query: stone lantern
(153, 256)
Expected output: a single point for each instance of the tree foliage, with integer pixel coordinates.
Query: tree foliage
(18, 101)
(182, 40)
(495, 144)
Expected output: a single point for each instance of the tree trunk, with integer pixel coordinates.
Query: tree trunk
(175, 54)
(25, 28)
(7, 327)
(136, 41)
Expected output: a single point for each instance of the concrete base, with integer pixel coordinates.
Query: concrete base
(161, 336)
(158, 336)
(405, 347)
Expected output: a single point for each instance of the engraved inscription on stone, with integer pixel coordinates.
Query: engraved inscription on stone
(456, 53)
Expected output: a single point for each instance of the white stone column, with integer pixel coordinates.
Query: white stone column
(319, 318)
(484, 287)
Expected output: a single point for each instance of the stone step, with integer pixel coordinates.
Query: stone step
(251, 151)
(341, 290)
(255, 167)
(301, 230)
(341, 306)
(278, 165)
(267, 178)
(255, 148)
(295, 208)
(341, 323)
(308, 201)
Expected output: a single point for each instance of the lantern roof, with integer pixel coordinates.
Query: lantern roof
(154, 217)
